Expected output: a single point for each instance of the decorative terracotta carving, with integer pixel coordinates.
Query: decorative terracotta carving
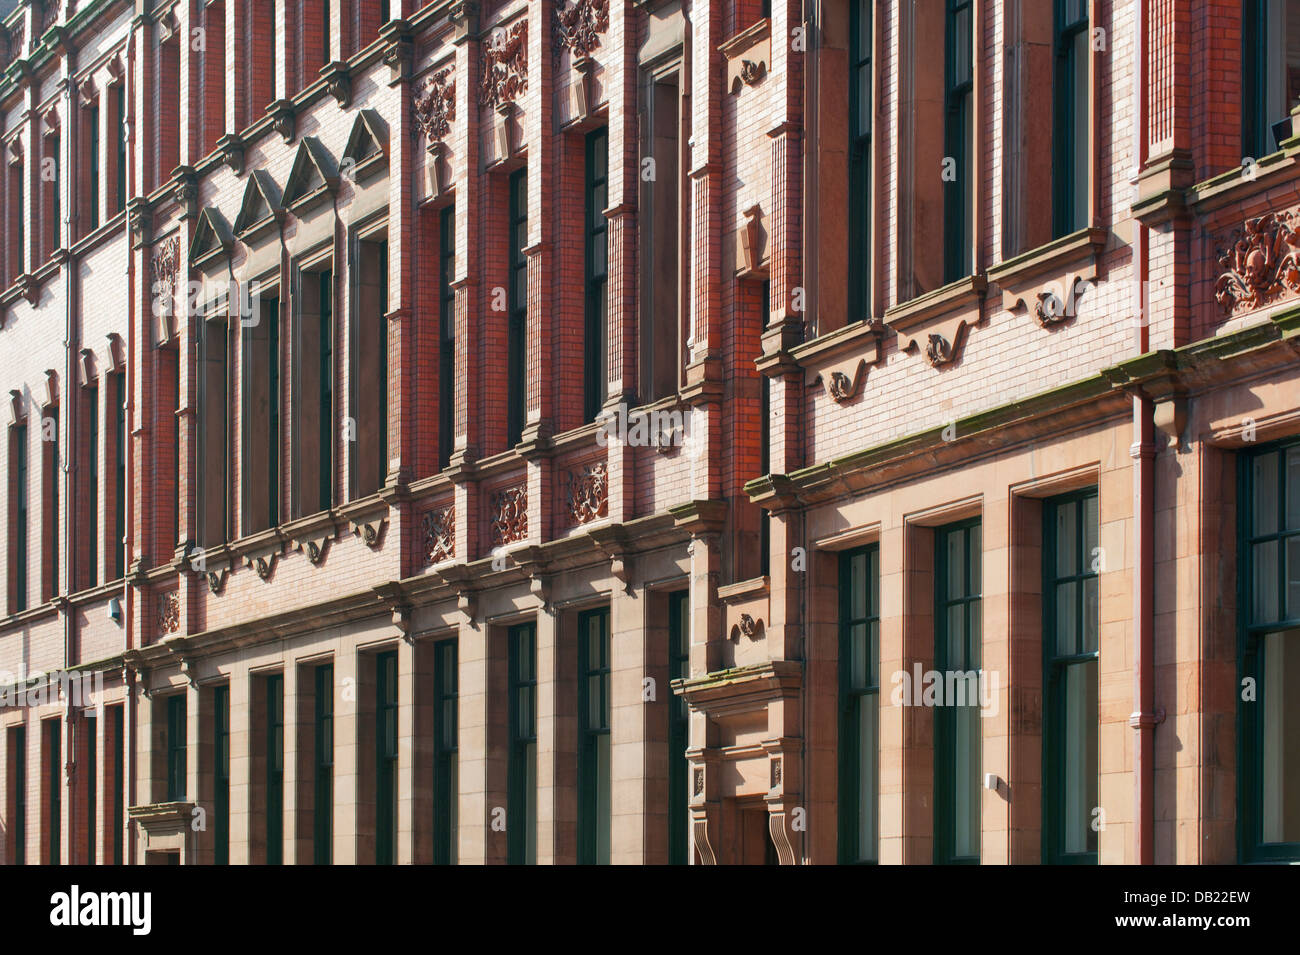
(505, 66)
(842, 384)
(435, 106)
(938, 350)
(588, 492)
(751, 71)
(510, 505)
(17, 37)
(50, 14)
(1261, 265)
(215, 580)
(577, 28)
(698, 787)
(776, 772)
(438, 530)
(164, 267)
(263, 566)
(169, 612)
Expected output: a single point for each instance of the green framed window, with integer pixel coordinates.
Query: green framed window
(176, 748)
(92, 482)
(860, 108)
(221, 774)
(517, 305)
(92, 145)
(958, 140)
(325, 418)
(275, 769)
(91, 728)
(859, 731)
(447, 335)
(1269, 653)
(117, 394)
(52, 465)
(446, 752)
(679, 668)
(596, 272)
(1070, 152)
(521, 774)
(386, 758)
(118, 95)
(18, 824)
(1070, 677)
(18, 514)
(1269, 60)
(323, 777)
(593, 730)
(54, 789)
(118, 725)
(271, 315)
(957, 654)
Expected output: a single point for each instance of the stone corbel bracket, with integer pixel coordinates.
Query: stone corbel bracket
(370, 528)
(611, 542)
(399, 608)
(313, 545)
(842, 383)
(216, 578)
(460, 580)
(338, 81)
(262, 557)
(283, 119)
(533, 563)
(935, 324)
(1044, 281)
(748, 55)
(749, 626)
(399, 57)
(232, 149)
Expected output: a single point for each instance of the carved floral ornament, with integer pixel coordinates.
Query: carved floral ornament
(435, 106)
(1261, 264)
(577, 27)
(510, 515)
(438, 533)
(505, 66)
(169, 612)
(588, 492)
(164, 267)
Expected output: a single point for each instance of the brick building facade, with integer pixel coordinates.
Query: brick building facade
(650, 431)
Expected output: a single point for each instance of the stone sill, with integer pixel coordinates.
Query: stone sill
(912, 314)
(743, 589)
(1049, 257)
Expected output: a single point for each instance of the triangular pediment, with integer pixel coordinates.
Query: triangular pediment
(314, 174)
(367, 147)
(212, 236)
(261, 206)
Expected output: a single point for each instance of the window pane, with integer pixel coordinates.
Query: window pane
(1293, 486)
(868, 707)
(975, 624)
(858, 656)
(873, 655)
(1067, 615)
(966, 841)
(858, 586)
(1067, 543)
(1292, 578)
(1264, 581)
(1280, 760)
(1079, 756)
(1265, 494)
(975, 555)
(956, 565)
(1090, 620)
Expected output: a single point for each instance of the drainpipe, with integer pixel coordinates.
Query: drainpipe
(128, 595)
(68, 419)
(1143, 452)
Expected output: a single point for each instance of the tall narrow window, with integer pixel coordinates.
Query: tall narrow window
(91, 118)
(90, 727)
(90, 485)
(119, 140)
(957, 722)
(594, 778)
(521, 779)
(17, 226)
(860, 107)
(221, 772)
(117, 724)
(1269, 602)
(1070, 148)
(213, 433)
(1270, 60)
(313, 390)
(275, 769)
(678, 729)
(176, 771)
(323, 789)
(260, 388)
(662, 337)
(859, 704)
(169, 101)
(53, 765)
(1070, 715)
(447, 336)
(171, 358)
(51, 197)
(958, 188)
(51, 454)
(596, 268)
(18, 524)
(117, 394)
(386, 758)
(368, 382)
(517, 328)
(17, 836)
(446, 759)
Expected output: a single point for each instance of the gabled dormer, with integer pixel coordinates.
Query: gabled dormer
(367, 149)
(212, 238)
(315, 176)
(261, 210)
